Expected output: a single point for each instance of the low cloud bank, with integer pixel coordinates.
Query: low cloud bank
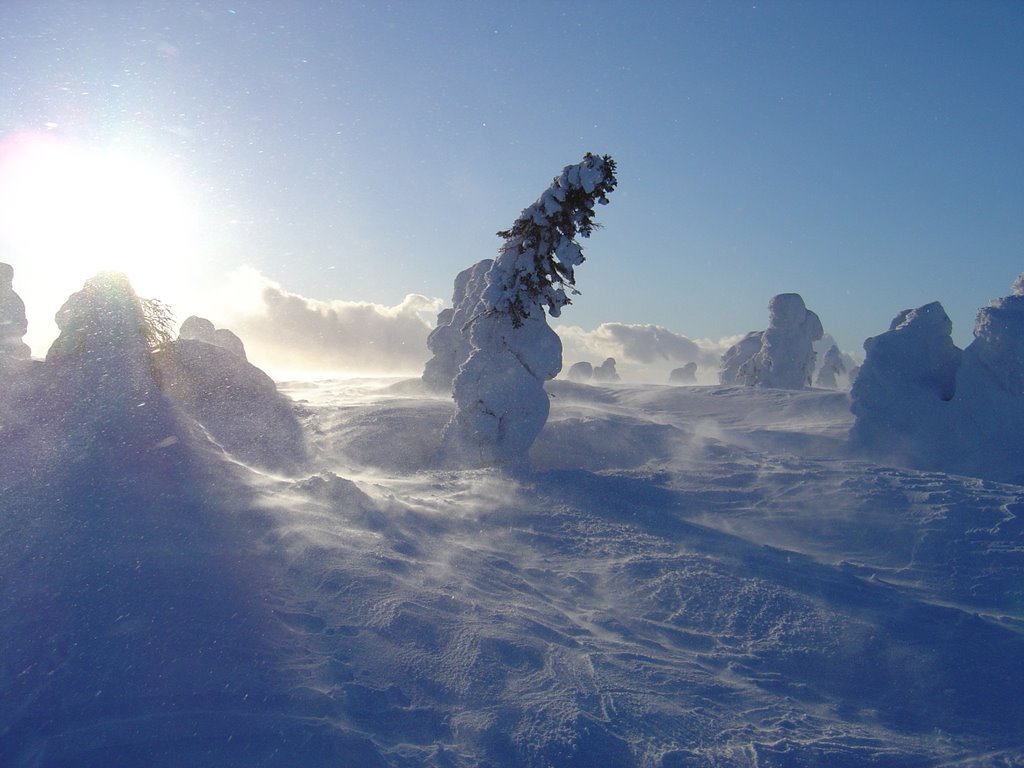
(645, 352)
(287, 332)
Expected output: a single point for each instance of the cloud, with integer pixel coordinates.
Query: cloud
(649, 345)
(285, 331)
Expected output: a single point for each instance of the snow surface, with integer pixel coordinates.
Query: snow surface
(685, 576)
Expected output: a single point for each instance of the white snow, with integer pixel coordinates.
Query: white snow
(684, 576)
(195, 570)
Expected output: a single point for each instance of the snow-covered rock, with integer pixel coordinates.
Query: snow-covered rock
(685, 375)
(13, 323)
(201, 329)
(901, 398)
(449, 341)
(786, 357)
(738, 354)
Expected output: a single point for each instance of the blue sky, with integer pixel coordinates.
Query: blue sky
(865, 155)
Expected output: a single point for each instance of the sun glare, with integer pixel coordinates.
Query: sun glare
(68, 211)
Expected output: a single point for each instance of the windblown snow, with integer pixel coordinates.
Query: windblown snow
(686, 576)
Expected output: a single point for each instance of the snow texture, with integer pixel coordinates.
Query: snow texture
(690, 576)
(786, 357)
(686, 576)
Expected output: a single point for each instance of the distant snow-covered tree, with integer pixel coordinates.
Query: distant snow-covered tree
(831, 367)
(786, 358)
(501, 405)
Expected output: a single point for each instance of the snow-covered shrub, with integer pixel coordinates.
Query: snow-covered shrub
(786, 357)
(499, 394)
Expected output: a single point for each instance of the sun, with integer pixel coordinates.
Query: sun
(69, 210)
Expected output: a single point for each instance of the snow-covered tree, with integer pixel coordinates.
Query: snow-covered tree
(736, 355)
(901, 398)
(13, 324)
(786, 358)
(831, 367)
(499, 394)
(449, 341)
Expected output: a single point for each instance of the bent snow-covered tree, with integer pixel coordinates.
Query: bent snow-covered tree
(499, 394)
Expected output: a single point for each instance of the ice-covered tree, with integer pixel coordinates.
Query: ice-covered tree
(500, 401)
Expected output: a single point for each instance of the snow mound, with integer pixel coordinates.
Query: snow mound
(235, 402)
